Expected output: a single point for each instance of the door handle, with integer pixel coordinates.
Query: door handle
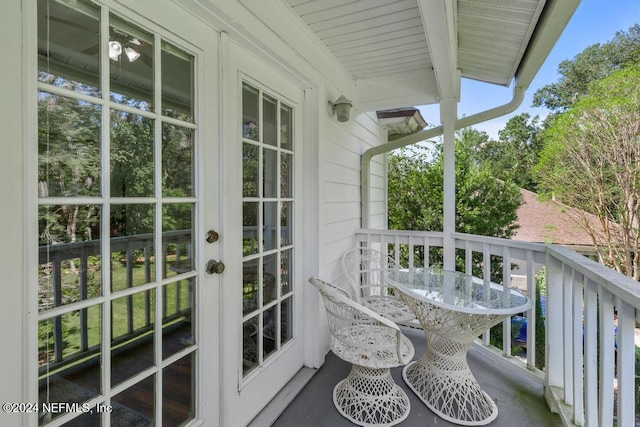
(214, 267)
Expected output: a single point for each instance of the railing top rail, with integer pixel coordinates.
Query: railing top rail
(618, 284)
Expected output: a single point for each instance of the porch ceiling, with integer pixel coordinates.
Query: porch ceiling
(400, 44)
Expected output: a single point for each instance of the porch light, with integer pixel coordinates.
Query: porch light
(131, 54)
(341, 108)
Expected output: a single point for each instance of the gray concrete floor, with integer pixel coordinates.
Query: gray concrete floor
(517, 395)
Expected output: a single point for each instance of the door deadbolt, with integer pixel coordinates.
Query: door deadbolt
(215, 267)
(212, 236)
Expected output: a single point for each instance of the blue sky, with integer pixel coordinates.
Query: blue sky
(595, 21)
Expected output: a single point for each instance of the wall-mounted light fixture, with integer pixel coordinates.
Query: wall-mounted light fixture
(340, 108)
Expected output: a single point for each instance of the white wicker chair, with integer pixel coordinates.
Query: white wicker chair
(365, 269)
(373, 345)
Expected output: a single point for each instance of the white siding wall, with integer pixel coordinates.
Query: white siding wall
(12, 279)
(341, 147)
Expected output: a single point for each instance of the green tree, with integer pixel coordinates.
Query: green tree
(593, 63)
(484, 205)
(513, 156)
(591, 161)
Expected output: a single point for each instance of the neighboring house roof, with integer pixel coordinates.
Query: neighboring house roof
(551, 222)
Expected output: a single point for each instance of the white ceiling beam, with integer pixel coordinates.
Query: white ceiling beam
(439, 21)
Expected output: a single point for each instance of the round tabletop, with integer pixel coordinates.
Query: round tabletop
(458, 291)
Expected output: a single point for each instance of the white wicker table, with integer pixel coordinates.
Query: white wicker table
(453, 309)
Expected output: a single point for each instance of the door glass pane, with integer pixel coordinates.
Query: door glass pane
(250, 112)
(250, 228)
(250, 345)
(69, 266)
(69, 45)
(270, 173)
(178, 403)
(286, 320)
(136, 405)
(269, 120)
(250, 170)
(285, 272)
(132, 173)
(177, 161)
(250, 288)
(286, 166)
(130, 64)
(177, 83)
(286, 123)
(177, 230)
(286, 220)
(270, 221)
(270, 276)
(68, 147)
(132, 335)
(63, 341)
(132, 243)
(178, 328)
(269, 335)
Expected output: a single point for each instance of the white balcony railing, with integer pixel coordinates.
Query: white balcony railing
(589, 372)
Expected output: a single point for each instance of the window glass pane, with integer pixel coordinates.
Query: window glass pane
(250, 228)
(286, 167)
(132, 243)
(178, 392)
(135, 406)
(132, 163)
(62, 341)
(250, 170)
(177, 161)
(249, 345)
(269, 120)
(69, 265)
(132, 335)
(250, 112)
(68, 147)
(177, 83)
(177, 226)
(270, 224)
(269, 336)
(269, 277)
(69, 45)
(270, 173)
(286, 129)
(178, 330)
(131, 64)
(250, 275)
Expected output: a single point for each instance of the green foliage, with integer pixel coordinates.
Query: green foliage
(541, 288)
(593, 63)
(590, 161)
(515, 153)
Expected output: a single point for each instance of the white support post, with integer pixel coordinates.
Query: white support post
(448, 114)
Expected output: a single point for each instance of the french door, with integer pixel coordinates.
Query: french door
(262, 337)
(127, 122)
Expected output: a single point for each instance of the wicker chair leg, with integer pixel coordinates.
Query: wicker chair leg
(370, 397)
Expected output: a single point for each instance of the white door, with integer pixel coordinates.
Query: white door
(262, 340)
(128, 188)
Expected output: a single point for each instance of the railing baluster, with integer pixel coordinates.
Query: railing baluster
(567, 328)
(591, 353)
(58, 342)
(486, 277)
(554, 358)
(531, 314)
(84, 279)
(606, 357)
(578, 351)
(626, 363)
